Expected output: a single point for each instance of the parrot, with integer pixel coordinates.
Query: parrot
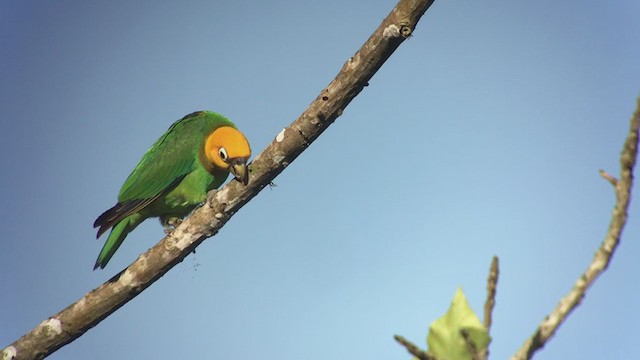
(194, 156)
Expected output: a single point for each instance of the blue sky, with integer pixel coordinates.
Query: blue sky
(482, 135)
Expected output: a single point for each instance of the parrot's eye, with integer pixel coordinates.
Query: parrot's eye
(223, 154)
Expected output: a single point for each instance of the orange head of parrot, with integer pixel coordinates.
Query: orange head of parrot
(227, 148)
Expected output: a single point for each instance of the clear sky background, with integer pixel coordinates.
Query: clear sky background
(482, 135)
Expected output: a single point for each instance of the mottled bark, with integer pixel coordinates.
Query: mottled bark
(67, 325)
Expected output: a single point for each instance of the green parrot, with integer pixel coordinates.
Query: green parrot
(194, 156)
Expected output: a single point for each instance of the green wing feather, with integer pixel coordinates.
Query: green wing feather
(171, 157)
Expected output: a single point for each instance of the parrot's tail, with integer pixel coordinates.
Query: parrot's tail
(115, 239)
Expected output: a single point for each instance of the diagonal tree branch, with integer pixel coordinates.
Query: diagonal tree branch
(604, 254)
(67, 325)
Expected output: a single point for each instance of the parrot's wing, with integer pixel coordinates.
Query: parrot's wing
(171, 157)
(161, 169)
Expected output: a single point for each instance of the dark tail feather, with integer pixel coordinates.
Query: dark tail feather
(117, 213)
(115, 239)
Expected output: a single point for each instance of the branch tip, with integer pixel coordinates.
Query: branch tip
(610, 178)
(413, 349)
(492, 286)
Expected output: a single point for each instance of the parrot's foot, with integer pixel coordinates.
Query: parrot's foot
(170, 224)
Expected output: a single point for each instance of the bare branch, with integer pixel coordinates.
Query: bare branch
(471, 346)
(490, 303)
(492, 284)
(604, 254)
(413, 349)
(67, 325)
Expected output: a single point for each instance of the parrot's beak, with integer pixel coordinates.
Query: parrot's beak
(240, 171)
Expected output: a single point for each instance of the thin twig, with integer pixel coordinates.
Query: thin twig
(611, 179)
(413, 349)
(70, 323)
(471, 346)
(492, 284)
(604, 253)
(490, 303)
